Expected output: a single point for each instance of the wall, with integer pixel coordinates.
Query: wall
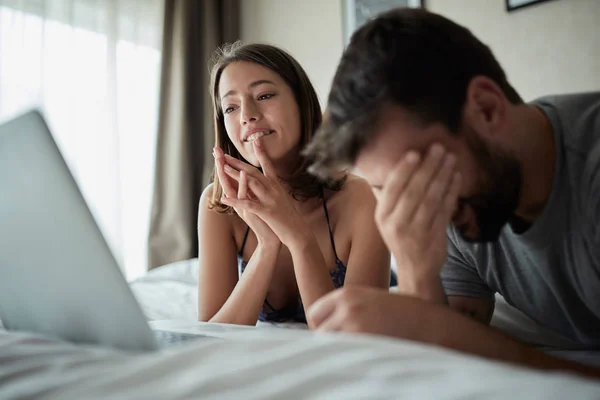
(552, 47)
(311, 30)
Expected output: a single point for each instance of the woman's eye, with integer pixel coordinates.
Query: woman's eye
(265, 96)
(228, 110)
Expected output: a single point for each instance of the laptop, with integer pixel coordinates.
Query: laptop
(58, 276)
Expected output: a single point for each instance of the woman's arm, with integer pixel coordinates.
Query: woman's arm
(221, 298)
(247, 298)
(369, 259)
(274, 207)
(310, 268)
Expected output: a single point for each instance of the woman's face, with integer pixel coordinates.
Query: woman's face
(258, 103)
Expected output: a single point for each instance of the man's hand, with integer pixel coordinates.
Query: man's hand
(367, 310)
(413, 211)
(376, 311)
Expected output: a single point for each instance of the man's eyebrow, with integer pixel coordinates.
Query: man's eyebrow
(250, 86)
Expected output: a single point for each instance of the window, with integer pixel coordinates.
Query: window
(93, 68)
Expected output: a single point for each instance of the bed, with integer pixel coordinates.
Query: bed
(269, 361)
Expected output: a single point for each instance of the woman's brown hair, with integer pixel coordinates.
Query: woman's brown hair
(302, 184)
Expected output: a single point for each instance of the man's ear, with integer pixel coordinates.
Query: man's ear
(486, 106)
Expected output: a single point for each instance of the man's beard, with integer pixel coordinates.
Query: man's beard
(498, 199)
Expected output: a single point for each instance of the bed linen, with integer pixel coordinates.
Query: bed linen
(266, 363)
(262, 362)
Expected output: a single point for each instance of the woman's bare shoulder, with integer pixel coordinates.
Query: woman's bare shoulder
(205, 199)
(357, 189)
(355, 196)
(206, 213)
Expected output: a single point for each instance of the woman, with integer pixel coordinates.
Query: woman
(272, 238)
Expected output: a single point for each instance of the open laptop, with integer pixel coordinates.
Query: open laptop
(58, 276)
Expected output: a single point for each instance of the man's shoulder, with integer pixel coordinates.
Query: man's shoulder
(576, 122)
(575, 115)
(570, 101)
(481, 255)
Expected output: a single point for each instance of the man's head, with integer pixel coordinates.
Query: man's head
(408, 79)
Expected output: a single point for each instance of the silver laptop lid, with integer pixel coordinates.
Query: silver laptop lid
(58, 276)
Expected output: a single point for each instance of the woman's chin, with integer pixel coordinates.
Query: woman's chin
(275, 153)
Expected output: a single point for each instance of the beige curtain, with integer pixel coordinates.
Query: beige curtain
(193, 29)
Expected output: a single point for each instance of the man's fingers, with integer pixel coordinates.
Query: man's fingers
(414, 193)
(451, 200)
(433, 200)
(263, 159)
(444, 216)
(225, 181)
(335, 322)
(321, 309)
(396, 182)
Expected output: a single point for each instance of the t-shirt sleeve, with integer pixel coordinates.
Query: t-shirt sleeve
(591, 206)
(459, 276)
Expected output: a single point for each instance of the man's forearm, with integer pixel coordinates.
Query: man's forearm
(463, 334)
(428, 288)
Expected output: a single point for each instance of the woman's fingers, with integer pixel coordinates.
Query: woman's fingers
(243, 186)
(242, 205)
(256, 190)
(225, 181)
(263, 159)
(242, 166)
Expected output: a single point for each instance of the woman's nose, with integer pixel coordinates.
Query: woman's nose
(250, 113)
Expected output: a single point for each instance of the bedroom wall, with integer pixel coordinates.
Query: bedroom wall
(550, 47)
(547, 48)
(311, 30)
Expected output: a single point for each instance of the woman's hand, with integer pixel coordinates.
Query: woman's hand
(264, 234)
(272, 202)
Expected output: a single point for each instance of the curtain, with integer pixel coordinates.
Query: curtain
(93, 68)
(192, 31)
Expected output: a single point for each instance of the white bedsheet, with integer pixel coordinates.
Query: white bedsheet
(169, 292)
(263, 362)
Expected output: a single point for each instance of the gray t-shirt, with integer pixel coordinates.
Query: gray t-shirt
(552, 271)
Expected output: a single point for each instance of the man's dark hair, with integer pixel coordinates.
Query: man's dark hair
(412, 58)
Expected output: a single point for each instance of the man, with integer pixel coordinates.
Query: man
(421, 109)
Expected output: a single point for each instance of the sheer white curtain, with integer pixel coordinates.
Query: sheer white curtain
(93, 68)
